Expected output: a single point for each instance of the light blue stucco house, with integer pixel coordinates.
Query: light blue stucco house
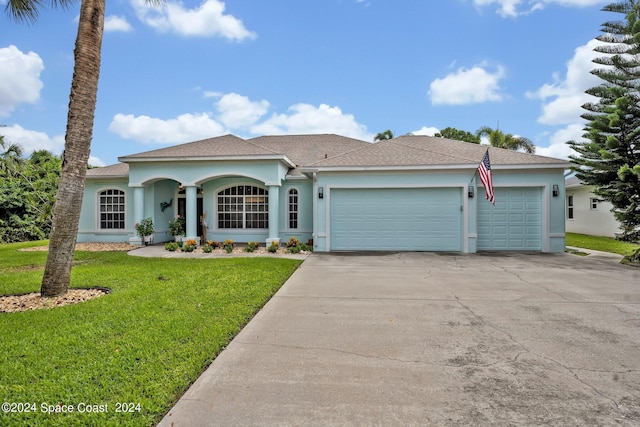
(412, 193)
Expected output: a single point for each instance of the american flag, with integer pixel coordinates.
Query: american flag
(484, 170)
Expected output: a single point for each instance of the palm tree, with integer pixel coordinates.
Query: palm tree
(82, 105)
(387, 134)
(499, 139)
(10, 157)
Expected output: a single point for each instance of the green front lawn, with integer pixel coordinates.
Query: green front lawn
(144, 343)
(604, 244)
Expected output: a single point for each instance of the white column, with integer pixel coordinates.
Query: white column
(192, 213)
(274, 214)
(138, 213)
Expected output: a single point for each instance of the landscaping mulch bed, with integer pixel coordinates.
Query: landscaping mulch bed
(34, 301)
(90, 247)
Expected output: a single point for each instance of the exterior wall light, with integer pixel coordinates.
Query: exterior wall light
(470, 191)
(555, 190)
(320, 193)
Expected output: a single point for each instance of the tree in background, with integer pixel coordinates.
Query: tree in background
(499, 139)
(458, 135)
(387, 134)
(610, 159)
(79, 132)
(27, 193)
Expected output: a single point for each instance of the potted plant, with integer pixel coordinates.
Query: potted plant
(145, 230)
(176, 227)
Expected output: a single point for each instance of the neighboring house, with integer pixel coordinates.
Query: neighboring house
(586, 213)
(412, 193)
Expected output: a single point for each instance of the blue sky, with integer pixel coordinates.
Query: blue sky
(193, 70)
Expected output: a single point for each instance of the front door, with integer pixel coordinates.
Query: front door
(182, 211)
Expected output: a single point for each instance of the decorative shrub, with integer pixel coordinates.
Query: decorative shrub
(251, 246)
(207, 248)
(176, 226)
(294, 249)
(213, 244)
(306, 248)
(292, 242)
(145, 228)
(171, 246)
(191, 242)
(228, 245)
(188, 248)
(273, 247)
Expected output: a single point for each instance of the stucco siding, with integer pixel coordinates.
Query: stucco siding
(598, 221)
(89, 227)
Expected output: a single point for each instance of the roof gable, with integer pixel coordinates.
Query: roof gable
(221, 146)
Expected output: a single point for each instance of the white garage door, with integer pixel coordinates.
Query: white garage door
(515, 223)
(401, 219)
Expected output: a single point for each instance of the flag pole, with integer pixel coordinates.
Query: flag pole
(484, 171)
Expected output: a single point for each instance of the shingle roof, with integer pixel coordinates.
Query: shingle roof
(119, 170)
(221, 146)
(418, 150)
(306, 149)
(334, 151)
(573, 182)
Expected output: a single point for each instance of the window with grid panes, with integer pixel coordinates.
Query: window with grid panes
(112, 209)
(243, 206)
(293, 208)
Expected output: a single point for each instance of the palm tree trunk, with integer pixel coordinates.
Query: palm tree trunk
(82, 105)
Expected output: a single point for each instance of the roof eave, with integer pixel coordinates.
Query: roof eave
(106, 176)
(310, 169)
(133, 159)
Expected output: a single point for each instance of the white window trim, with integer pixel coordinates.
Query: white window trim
(288, 202)
(97, 218)
(244, 229)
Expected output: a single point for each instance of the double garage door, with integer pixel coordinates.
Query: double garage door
(430, 219)
(399, 219)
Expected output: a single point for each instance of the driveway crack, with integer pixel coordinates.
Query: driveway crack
(568, 369)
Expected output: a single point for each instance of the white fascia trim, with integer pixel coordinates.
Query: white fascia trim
(433, 167)
(296, 178)
(280, 157)
(107, 177)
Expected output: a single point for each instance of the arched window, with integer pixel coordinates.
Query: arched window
(111, 204)
(293, 208)
(244, 206)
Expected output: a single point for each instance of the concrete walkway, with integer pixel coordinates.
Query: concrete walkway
(417, 339)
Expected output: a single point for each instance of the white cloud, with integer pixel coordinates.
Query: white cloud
(512, 8)
(238, 112)
(207, 20)
(96, 161)
(307, 119)
(467, 86)
(563, 99)
(428, 131)
(186, 127)
(117, 23)
(31, 140)
(558, 147)
(19, 78)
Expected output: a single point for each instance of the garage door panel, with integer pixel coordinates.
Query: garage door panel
(396, 219)
(515, 223)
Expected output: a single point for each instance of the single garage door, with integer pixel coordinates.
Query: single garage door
(399, 219)
(514, 223)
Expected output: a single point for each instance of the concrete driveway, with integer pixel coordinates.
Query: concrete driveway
(433, 339)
